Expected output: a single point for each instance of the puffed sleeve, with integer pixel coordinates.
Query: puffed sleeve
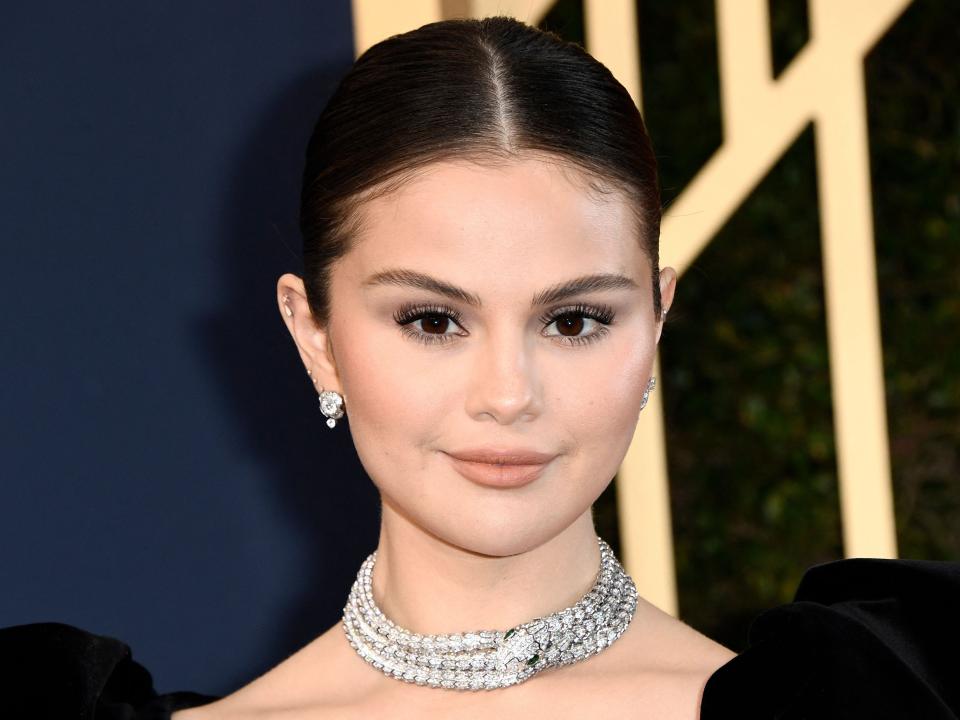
(863, 638)
(55, 670)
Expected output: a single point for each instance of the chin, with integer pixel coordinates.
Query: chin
(501, 536)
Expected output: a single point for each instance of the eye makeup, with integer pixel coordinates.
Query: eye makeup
(407, 315)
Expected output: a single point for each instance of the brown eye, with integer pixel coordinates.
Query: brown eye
(570, 325)
(572, 321)
(435, 323)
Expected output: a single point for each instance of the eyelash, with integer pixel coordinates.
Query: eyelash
(408, 314)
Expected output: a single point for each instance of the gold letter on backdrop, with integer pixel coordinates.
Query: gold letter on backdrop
(762, 117)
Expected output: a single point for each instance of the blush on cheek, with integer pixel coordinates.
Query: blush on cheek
(391, 403)
(374, 381)
(616, 404)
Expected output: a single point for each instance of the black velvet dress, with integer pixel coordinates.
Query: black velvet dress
(863, 638)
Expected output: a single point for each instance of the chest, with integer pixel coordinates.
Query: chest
(665, 696)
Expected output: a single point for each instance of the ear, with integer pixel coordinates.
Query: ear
(668, 284)
(313, 342)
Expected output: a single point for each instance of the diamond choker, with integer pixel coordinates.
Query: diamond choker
(490, 659)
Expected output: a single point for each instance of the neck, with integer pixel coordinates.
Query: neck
(431, 586)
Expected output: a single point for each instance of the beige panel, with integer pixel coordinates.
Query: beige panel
(743, 44)
(611, 37)
(853, 323)
(530, 11)
(376, 20)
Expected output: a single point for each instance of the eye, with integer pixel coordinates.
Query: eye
(436, 320)
(570, 322)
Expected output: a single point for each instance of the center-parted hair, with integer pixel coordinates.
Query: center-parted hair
(489, 91)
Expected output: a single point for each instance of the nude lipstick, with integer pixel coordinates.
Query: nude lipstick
(500, 467)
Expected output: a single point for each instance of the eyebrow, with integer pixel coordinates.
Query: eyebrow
(586, 283)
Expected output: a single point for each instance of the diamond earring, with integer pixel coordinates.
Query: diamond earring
(646, 393)
(331, 405)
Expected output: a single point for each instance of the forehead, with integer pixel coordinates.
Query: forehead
(515, 218)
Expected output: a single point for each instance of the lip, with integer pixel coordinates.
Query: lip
(503, 456)
(500, 468)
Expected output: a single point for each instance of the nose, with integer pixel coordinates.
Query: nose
(504, 383)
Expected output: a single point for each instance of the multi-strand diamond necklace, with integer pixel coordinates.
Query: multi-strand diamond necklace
(489, 659)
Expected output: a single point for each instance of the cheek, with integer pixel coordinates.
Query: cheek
(601, 401)
(391, 404)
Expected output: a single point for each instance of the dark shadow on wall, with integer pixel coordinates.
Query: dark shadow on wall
(314, 471)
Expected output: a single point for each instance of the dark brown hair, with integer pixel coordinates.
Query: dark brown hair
(487, 91)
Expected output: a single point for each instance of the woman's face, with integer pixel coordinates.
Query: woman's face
(424, 374)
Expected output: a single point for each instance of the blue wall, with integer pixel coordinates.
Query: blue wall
(166, 474)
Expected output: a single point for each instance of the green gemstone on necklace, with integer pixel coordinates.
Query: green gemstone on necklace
(533, 660)
(510, 632)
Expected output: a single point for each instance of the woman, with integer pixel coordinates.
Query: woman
(482, 299)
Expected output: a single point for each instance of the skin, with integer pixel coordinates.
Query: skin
(454, 555)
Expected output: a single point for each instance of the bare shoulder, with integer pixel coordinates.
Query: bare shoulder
(661, 637)
(658, 668)
(323, 673)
